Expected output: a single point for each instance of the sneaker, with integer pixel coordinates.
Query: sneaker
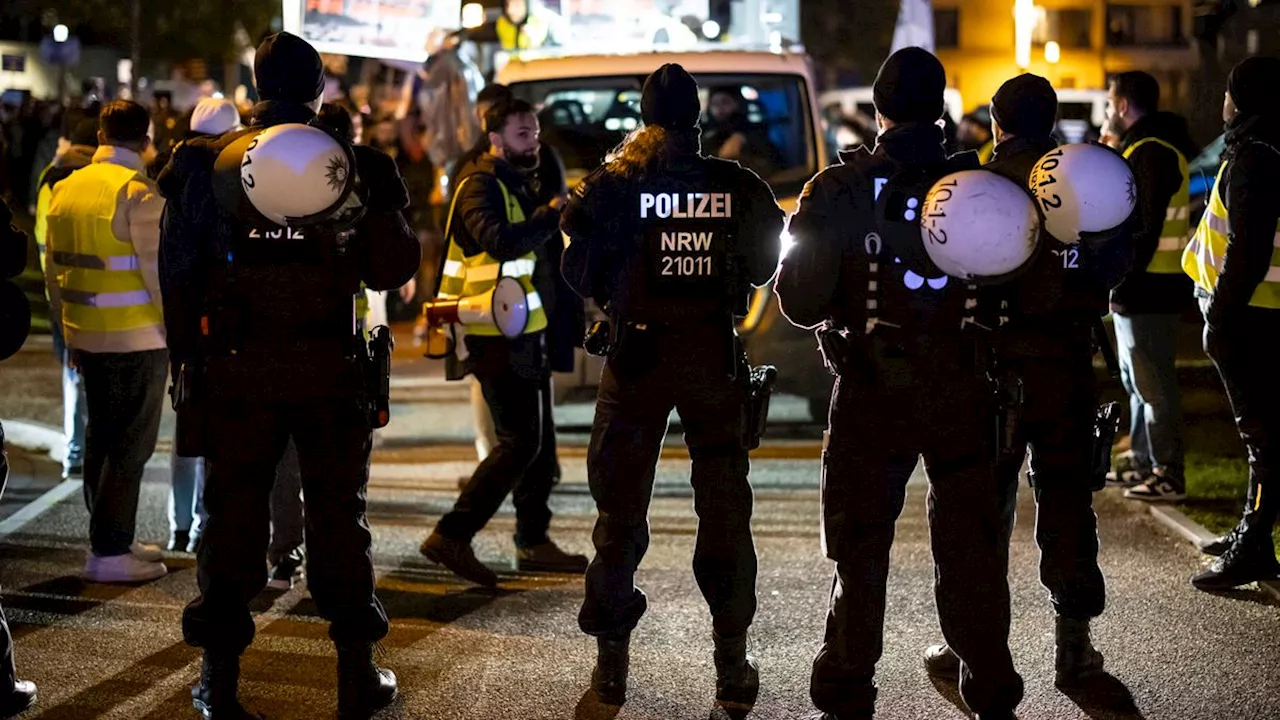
(19, 699)
(179, 540)
(281, 575)
(1217, 547)
(1242, 564)
(127, 568)
(548, 557)
(941, 661)
(1125, 478)
(146, 553)
(458, 557)
(1157, 490)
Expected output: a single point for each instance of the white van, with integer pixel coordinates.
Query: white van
(587, 104)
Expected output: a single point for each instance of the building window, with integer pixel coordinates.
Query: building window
(1144, 25)
(1069, 27)
(946, 27)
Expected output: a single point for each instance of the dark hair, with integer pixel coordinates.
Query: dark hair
(1140, 89)
(493, 94)
(124, 121)
(649, 148)
(496, 119)
(338, 119)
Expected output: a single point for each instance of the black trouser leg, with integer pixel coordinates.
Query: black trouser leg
(123, 392)
(711, 408)
(533, 491)
(626, 440)
(247, 437)
(334, 440)
(1061, 402)
(1249, 379)
(866, 465)
(516, 405)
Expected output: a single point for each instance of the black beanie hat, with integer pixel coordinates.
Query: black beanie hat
(1255, 86)
(1026, 106)
(909, 86)
(286, 67)
(670, 99)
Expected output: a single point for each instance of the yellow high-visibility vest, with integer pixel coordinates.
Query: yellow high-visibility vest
(532, 34)
(1203, 258)
(465, 276)
(1175, 233)
(99, 277)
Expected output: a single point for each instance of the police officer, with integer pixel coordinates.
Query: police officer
(1233, 263)
(264, 314)
(668, 240)
(1048, 345)
(908, 385)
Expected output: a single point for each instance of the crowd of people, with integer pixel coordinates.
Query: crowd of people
(159, 276)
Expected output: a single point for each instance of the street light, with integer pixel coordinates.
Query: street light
(1024, 19)
(60, 33)
(472, 15)
(1052, 52)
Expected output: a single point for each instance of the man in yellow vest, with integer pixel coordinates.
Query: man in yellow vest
(495, 230)
(1148, 304)
(102, 246)
(519, 27)
(1234, 260)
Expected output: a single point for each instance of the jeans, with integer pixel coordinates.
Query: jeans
(1147, 349)
(74, 414)
(124, 392)
(186, 495)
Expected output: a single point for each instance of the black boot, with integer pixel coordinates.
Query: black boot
(609, 679)
(19, 699)
(363, 687)
(215, 695)
(1250, 559)
(737, 674)
(1075, 658)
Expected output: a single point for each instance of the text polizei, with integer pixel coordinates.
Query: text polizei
(686, 205)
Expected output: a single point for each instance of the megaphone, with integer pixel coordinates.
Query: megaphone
(506, 308)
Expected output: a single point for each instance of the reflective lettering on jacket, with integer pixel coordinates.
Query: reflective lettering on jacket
(1203, 258)
(1167, 259)
(685, 239)
(466, 276)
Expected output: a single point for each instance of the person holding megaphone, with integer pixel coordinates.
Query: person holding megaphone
(492, 287)
(268, 233)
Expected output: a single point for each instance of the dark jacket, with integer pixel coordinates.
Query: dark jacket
(606, 258)
(1054, 305)
(480, 225)
(826, 274)
(291, 298)
(1158, 177)
(1251, 191)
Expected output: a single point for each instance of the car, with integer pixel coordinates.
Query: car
(588, 103)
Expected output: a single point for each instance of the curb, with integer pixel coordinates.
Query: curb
(35, 437)
(1194, 532)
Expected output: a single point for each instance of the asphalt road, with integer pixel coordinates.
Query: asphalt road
(113, 652)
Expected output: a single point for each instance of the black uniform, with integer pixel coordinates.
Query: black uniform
(283, 301)
(1048, 344)
(670, 253)
(909, 385)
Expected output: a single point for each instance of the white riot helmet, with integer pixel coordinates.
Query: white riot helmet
(1082, 188)
(297, 174)
(979, 227)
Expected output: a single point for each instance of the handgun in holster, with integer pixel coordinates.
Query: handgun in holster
(845, 354)
(1106, 425)
(378, 375)
(760, 383)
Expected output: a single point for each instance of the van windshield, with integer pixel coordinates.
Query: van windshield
(760, 120)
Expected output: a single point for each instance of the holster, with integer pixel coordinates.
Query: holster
(378, 375)
(1009, 399)
(845, 354)
(1106, 425)
(190, 401)
(760, 383)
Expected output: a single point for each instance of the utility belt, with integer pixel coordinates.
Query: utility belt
(624, 341)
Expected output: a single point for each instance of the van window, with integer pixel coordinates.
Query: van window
(762, 121)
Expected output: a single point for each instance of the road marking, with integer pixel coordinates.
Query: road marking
(37, 507)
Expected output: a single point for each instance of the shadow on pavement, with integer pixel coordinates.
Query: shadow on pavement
(730, 712)
(590, 708)
(1104, 697)
(124, 686)
(61, 596)
(1249, 594)
(950, 691)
